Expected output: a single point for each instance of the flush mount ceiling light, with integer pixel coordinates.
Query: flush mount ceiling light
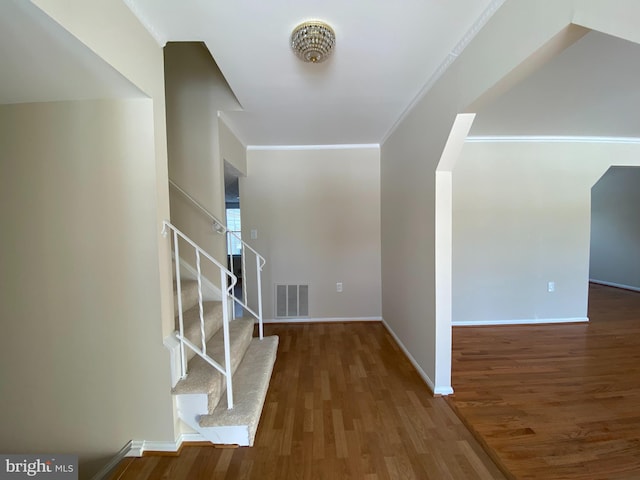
(313, 41)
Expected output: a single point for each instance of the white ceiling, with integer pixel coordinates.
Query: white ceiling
(386, 53)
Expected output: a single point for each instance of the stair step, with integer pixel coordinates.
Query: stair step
(202, 377)
(189, 295)
(212, 312)
(250, 385)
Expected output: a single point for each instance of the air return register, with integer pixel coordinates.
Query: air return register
(292, 301)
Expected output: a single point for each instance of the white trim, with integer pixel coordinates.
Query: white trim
(437, 390)
(616, 285)
(172, 344)
(322, 320)
(113, 463)
(135, 448)
(549, 139)
(346, 146)
(446, 63)
(190, 437)
(520, 321)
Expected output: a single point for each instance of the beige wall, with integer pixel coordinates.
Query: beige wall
(232, 150)
(521, 218)
(517, 39)
(133, 401)
(317, 216)
(110, 29)
(196, 91)
(83, 366)
(409, 157)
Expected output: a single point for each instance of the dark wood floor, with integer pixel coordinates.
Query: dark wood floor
(344, 403)
(556, 401)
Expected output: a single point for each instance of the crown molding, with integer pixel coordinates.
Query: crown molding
(549, 139)
(313, 147)
(446, 63)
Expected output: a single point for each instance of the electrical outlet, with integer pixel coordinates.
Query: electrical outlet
(339, 287)
(551, 287)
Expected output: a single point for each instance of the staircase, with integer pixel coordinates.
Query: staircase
(219, 392)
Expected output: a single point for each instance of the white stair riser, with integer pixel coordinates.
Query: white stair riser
(191, 406)
(238, 425)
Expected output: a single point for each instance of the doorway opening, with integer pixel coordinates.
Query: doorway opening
(615, 229)
(234, 229)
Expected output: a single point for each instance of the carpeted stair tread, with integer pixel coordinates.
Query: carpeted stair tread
(204, 378)
(250, 385)
(189, 295)
(212, 312)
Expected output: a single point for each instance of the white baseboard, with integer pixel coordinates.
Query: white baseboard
(519, 321)
(113, 463)
(437, 390)
(617, 285)
(322, 320)
(135, 448)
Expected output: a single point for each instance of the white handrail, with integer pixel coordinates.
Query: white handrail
(218, 224)
(220, 227)
(226, 287)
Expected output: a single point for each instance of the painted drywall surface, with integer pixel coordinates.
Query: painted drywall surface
(615, 227)
(409, 157)
(195, 92)
(614, 18)
(521, 219)
(231, 148)
(317, 217)
(83, 366)
(111, 30)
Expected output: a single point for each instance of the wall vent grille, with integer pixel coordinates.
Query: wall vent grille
(292, 301)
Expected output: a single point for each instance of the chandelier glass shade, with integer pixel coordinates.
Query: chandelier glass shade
(313, 41)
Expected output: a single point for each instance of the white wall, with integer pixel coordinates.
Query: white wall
(516, 40)
(110, 30)
(232, 149)
(83, 366)
(521, 218)
(615, 227)
(317, 216)
(409, 157)
(113, 157)
(195, 92)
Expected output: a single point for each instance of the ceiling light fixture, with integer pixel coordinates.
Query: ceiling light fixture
(313, 41)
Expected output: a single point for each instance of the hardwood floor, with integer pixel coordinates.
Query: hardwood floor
(344, 403)
(556, 401)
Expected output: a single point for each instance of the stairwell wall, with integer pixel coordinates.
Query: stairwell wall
(196, 91)
(87, 193)
(83, 368)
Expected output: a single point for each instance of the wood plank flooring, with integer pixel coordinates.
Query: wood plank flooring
(556, 401)
(344, 403)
